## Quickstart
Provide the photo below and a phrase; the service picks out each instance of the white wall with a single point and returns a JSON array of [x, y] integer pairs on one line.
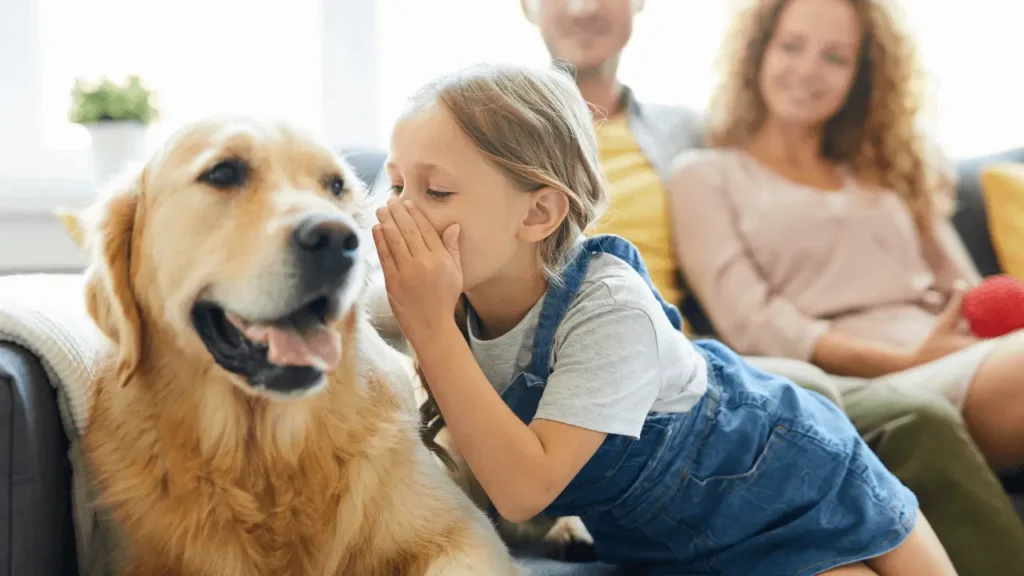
[[30, 237]]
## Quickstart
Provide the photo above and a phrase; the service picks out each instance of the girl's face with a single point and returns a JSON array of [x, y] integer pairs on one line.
[[433, 164], [810, 62]]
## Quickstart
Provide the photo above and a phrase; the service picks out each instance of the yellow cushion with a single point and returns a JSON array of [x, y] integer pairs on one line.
[[1002, 185]]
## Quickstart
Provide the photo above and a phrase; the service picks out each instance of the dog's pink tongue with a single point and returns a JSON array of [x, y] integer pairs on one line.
[[317, 347], [312, 344]]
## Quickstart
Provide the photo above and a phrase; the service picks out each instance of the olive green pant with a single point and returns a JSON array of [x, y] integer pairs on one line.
[[924, 442]]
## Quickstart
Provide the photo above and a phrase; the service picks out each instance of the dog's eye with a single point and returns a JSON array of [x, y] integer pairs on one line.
[[226, 174], [336, 185]]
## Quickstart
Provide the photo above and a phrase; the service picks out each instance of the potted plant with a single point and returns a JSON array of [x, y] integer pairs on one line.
[[117, 117]]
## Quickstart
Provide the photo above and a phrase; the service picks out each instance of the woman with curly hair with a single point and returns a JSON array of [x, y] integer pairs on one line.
[[816, 224]]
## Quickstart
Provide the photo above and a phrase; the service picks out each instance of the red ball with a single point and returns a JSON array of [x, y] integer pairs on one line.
[[995, 307]]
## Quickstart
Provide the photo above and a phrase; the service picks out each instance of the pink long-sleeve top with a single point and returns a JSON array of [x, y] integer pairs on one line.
[[776, 264]]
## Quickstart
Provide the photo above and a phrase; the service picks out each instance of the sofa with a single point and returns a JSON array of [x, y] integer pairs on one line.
[[36, 531]]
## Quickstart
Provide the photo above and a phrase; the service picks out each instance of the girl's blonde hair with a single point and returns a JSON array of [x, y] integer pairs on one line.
[[535, 126], [875, 132]]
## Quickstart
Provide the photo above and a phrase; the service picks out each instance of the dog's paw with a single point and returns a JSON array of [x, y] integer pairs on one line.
[[568, 529], [569, 540]]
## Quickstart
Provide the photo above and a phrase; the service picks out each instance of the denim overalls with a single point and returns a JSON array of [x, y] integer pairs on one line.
[[760, 477]]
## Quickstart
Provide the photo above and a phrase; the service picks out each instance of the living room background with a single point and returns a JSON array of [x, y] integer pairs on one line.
[[344, 68]]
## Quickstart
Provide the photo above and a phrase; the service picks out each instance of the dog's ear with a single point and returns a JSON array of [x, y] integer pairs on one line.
[[110, 229], [72, 226]]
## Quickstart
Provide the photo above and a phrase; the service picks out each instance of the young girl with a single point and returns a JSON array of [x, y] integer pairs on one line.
[[576, 394]]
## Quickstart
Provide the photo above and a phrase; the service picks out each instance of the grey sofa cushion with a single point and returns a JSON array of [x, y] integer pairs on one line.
[[36, 531]]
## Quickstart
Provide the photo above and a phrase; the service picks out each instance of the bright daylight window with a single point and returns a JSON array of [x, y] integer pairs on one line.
[[419, 40], [971, 50], [201, 57], [265, 58]]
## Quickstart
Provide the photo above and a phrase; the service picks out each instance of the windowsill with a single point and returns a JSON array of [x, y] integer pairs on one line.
[[32, 239], [42, 197]]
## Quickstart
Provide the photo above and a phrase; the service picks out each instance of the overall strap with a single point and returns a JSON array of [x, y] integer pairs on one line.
[[560, 296], [627, 252], [556, 303]]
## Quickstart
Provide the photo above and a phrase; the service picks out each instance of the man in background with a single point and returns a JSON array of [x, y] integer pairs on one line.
[[638, 141], [923, 441]]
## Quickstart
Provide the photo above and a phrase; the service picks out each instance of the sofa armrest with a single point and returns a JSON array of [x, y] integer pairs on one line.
[[36, 527]]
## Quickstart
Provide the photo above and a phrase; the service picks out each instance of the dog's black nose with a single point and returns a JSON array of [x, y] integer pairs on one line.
[[316, 234], [325, 248]]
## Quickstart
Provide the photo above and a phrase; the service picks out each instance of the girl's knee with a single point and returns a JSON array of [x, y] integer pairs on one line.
[[921, 552]]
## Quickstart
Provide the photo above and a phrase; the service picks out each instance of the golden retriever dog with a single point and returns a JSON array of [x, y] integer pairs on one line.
[[251, 421]]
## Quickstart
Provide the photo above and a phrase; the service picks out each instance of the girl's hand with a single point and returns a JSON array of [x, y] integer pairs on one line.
[[422, 272]]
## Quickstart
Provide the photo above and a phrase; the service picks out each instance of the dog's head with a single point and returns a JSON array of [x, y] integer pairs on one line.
[[239, 239]]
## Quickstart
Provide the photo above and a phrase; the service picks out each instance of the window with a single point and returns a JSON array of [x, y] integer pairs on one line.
[[346, 66], [968, 50], [418, 40], [671, 55], [971, 51], [669, 59], [201, 57]]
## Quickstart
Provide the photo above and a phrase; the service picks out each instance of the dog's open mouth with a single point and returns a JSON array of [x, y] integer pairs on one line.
[[299, 339], [287, 354]]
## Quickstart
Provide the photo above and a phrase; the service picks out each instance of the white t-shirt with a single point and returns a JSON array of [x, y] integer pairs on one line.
[[616, 357]]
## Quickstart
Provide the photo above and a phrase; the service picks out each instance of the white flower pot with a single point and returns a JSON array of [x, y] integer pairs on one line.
[[115, 145]]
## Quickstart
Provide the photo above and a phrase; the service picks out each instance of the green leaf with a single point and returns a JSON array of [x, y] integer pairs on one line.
[[106, 101]]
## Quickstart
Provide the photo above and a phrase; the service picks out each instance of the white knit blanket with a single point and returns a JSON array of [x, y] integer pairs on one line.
[[46, 314]]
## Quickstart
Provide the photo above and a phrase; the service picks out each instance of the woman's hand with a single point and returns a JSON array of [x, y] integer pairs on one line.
[[422, 271], [946, 337]]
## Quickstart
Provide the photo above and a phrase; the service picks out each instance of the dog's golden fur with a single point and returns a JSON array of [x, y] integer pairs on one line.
[[206, 477]]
